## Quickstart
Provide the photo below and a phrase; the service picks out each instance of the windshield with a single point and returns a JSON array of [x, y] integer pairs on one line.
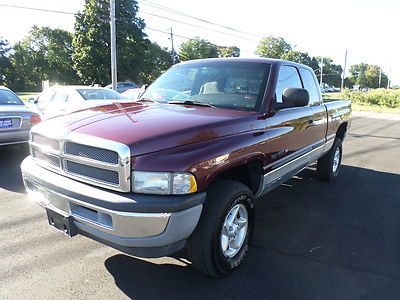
[[232, 85], [9, 98], [99, 94]]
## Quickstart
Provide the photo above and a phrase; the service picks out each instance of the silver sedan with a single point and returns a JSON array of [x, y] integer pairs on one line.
[[16, 119]]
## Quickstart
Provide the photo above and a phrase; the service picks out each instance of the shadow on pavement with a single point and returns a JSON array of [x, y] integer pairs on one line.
[[10, 172], [312, 240]]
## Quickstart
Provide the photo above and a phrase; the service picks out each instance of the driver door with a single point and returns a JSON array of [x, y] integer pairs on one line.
[[289, 130]]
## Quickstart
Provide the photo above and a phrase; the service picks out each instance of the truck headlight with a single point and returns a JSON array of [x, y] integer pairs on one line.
[[163, 183]]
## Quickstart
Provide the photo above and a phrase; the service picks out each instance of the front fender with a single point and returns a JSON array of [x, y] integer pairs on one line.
[[206, 160]]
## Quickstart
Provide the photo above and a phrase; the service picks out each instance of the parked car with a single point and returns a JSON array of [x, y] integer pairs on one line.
[[124, 86], [16, 119], [61, 100], [132, 94], [184, 165]]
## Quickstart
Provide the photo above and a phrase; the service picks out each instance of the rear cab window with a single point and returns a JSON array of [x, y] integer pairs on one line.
[[311, 86]]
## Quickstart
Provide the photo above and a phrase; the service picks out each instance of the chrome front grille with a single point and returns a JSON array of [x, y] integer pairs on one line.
[[45, 141], [90, 152], [79, 156], [106, 176], [51, 160]]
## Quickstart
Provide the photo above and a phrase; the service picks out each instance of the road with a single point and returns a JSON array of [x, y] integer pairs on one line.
[[313, 240]]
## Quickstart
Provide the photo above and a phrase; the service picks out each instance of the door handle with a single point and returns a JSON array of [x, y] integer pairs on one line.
[[310, 122]]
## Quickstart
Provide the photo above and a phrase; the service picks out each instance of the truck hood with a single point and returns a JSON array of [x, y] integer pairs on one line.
[[147, 128]]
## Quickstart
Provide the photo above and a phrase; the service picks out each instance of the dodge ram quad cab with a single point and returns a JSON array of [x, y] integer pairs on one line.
[[181, 168]]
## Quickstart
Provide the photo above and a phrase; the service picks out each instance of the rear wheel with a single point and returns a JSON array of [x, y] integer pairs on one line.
[[328, 166], [221, 239]]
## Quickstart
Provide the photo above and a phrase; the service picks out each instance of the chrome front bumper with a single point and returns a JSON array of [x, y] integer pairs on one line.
[[122, 228]]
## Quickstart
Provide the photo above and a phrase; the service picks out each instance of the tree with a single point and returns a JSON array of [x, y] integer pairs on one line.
[[4, 60], [358, 76], [157, 60], [366, 75], [332, 73], [44, 54], [92, 41], [372, 76], [53, 47], [301, 58], [273, 47], [25, 75], [197, 48], [231, 51]]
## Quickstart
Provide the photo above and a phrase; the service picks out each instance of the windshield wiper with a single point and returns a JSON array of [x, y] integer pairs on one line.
[[191, 102], [146, 100]]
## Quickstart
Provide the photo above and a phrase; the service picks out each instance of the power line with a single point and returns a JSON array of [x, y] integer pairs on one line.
[[187, 38], [161, 7], [149, 28], [159, 16], [38, 9], [166, 32], [198, 26]]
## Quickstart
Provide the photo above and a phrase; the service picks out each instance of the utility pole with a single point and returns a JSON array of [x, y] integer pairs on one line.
[[320, 76], [380, 76], [113, 46], [172, 46], [388, 78], [344, 70]]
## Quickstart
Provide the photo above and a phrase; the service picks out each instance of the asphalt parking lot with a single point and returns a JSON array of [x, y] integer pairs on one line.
[[313, 240]]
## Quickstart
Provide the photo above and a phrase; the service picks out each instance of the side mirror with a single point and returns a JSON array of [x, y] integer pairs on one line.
[[32, 101], [295, 97]]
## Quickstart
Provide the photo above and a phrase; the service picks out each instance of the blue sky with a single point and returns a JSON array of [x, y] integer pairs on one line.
[[367, 29]]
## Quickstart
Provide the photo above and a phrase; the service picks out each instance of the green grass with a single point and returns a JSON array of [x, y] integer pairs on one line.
[[378, 100], [26, 95], [333, 96], [376, 109]]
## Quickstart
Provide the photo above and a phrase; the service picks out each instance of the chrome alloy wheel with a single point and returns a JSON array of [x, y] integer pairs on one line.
[[234, 230], [336, 160]]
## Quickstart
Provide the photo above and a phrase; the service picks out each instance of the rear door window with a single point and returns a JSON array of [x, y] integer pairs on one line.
[[311, 86]]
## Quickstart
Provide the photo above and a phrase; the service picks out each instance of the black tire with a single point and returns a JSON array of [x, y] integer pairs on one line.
[[325, 164], [204, 245]]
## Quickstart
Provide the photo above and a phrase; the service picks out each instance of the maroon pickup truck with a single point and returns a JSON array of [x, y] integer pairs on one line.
[[183, 166]]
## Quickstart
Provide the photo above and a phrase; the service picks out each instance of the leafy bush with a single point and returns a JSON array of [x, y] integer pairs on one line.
[[378, 97]]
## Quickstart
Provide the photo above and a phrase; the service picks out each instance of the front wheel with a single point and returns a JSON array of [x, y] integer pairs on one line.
[[221, 239], [328, 166]]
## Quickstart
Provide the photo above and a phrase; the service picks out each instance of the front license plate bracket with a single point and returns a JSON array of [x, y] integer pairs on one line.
[[64, 223]]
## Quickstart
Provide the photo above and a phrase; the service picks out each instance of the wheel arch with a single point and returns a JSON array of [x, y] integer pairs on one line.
[[250, 173], [341, 131]]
